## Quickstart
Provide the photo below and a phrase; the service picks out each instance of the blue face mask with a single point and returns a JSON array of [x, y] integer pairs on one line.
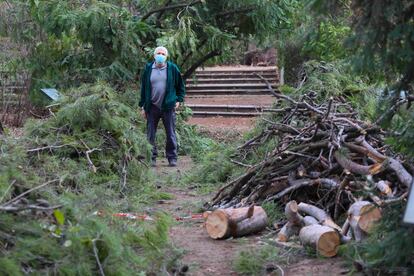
[[160, 59]]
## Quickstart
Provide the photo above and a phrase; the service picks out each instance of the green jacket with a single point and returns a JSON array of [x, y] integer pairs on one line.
[[175, 87]]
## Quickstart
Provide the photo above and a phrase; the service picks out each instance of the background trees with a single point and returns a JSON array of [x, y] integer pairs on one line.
[[78, 41]]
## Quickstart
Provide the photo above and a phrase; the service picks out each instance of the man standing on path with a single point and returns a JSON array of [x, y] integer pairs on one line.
[[162, 90]]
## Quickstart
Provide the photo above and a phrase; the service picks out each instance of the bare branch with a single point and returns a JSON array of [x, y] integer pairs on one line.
[[203, 59], [95, 252], [26, 207], [28, 192]]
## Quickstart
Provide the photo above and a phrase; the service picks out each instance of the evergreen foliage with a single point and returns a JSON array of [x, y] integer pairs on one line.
[[73, 42], [214, 167], [382, 47], [115, 180], [388, 251]]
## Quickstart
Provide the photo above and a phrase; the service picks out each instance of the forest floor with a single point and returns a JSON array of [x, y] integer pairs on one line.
[[205, 256]]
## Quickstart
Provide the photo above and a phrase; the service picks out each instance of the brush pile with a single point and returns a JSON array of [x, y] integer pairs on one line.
[[326, 159]]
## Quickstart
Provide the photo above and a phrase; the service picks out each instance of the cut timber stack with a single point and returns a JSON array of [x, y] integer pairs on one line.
[[231, 91]]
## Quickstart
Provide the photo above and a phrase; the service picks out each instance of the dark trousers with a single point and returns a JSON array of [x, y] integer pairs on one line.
[[168, 119]]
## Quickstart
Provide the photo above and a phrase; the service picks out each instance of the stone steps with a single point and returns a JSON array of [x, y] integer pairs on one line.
[[210, 84]]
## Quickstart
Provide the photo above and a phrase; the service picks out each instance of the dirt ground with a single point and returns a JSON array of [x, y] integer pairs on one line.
[[223, 128], [205, 256], [258, 100]]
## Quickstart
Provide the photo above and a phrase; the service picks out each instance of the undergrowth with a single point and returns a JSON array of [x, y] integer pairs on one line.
[[274, 212], [76, 233], [190, 141], [212, 169], [266, 260]]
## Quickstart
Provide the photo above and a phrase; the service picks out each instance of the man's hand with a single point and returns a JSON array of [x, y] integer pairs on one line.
[[177, 105], [143, 114]]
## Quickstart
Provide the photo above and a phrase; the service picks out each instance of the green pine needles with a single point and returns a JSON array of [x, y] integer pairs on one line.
[[91, 156]]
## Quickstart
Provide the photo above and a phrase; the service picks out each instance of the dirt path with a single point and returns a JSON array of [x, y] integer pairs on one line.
[[205, 256]]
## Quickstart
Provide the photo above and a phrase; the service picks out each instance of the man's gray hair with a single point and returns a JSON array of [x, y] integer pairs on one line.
[[161, 48]]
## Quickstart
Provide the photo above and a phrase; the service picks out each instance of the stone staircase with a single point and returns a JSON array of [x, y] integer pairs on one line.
[[231, 91]]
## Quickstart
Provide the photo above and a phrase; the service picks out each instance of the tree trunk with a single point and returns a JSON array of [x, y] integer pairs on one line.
[[224, 223], [291, 212], [324, 239]]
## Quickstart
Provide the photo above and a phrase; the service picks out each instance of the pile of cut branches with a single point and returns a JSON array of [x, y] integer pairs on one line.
[[325, 156]]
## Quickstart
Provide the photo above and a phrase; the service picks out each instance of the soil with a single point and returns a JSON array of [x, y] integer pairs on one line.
[[205, 256], [223, 128], [258, 100]]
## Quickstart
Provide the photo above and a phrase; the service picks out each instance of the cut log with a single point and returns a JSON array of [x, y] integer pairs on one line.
[[345, 233], [323, 238], [308, 220], [291, 212], [384, 187], [224, 223], [288, 230], [254, 224], [319, 214], [295, 222], [364, 214]]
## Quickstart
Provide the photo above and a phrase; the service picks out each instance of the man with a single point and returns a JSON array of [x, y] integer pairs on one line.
[[162, 91]]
